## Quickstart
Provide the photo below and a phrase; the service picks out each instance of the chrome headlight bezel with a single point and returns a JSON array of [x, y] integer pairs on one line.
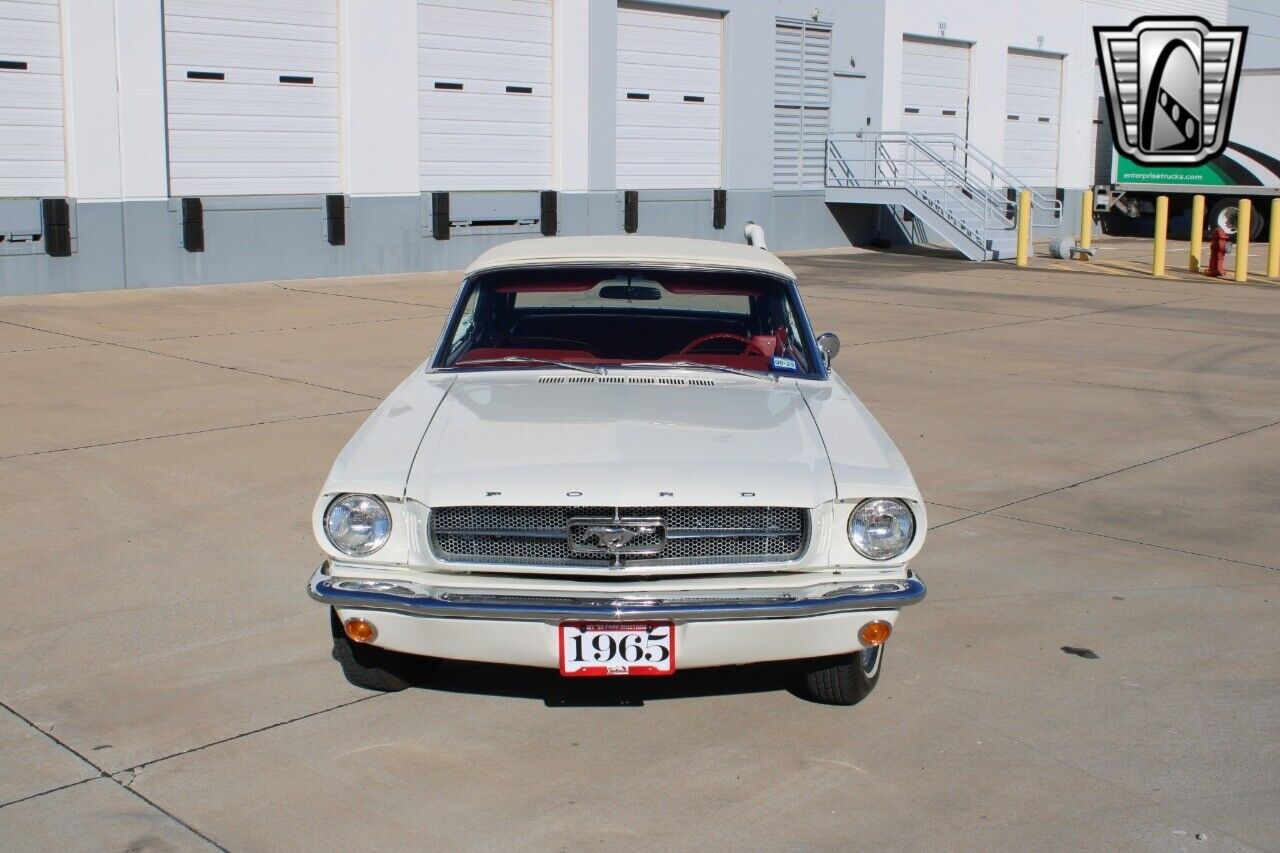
[[857, 527], [355, 543]]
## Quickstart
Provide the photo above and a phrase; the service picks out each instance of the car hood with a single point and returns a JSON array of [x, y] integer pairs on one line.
[[555, 439]]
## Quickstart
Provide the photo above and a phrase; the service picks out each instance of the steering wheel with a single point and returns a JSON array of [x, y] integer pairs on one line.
[[747, 344]]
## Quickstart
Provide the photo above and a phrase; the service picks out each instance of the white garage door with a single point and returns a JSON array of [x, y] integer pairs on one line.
[[252, 96], [32, 146], [484, 89], [935, 86], [1033, 110], [668, 125]]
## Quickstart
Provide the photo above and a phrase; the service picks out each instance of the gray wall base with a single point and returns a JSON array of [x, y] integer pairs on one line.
[[139, 243]]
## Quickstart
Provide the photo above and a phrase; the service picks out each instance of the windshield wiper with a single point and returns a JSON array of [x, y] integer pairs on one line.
[[698, 365], [524, 359]]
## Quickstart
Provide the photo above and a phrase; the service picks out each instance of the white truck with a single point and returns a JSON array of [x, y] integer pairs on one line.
[[1248, 168]]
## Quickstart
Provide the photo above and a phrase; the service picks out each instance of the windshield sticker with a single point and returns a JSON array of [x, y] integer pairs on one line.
[[780, 363]]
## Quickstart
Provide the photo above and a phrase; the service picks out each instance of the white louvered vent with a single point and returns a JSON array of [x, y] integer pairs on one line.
[[801, 103]]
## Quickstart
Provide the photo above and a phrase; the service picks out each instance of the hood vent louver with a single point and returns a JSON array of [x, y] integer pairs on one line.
[[619, 380]]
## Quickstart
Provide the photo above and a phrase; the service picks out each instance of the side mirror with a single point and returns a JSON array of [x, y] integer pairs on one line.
[[829, 346]]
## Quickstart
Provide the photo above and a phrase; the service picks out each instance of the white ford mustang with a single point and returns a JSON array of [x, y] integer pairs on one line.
[[627, 456]]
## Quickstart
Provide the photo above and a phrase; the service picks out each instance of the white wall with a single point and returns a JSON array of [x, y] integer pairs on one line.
[[115, 87], [1053, 26], [378, 97], [113, 59]]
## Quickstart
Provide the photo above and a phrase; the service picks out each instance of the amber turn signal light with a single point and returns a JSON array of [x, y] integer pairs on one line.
[[361, 631], [872, 633]]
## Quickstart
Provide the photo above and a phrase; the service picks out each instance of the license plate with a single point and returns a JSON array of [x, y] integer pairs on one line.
[[612, 648]]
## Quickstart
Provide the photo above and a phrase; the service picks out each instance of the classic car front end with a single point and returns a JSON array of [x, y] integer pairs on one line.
[[625, 457]]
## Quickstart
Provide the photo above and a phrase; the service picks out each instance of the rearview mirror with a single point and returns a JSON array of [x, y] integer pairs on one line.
[[630, 292], [829, 346]]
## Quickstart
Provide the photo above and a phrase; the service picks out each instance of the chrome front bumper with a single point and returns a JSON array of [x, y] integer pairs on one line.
[[416, 599]]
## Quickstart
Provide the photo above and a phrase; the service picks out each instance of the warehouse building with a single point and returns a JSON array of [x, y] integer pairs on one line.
[[149, 143]]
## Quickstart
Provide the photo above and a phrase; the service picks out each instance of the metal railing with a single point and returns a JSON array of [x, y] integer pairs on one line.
[[959, 181]]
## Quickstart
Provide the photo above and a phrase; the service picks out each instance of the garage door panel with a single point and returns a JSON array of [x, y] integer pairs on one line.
[[18, 11], [479, 112], [1033, 103], [935, 86], [684, 174], [705, 84], [298, 12], [212, 184], [251, 133], [647, 150], [237, 31], [457, 65], [297, 116], [304, 123], [32, 143], [32, 119], [642, 125], [29, 41], [45, 85], [483, 136], [238, 145], [466, 165], [15, 120], [531, 8], [468, 25], [191, 51], [668, 56], [321, 87]]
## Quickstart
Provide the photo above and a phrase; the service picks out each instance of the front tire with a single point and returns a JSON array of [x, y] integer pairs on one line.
[[373, 668], [844, 679]]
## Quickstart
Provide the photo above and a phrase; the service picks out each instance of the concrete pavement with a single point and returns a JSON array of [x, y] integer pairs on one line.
[[1102, 454]]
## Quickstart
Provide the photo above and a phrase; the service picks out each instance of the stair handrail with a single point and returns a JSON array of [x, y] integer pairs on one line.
[[993, 167], [1039, 201], [994, 208], [996, 205]]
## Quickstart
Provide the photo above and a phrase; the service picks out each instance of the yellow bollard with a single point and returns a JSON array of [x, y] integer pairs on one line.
[[1024, 225], [1162, 233], [1086, 223], [1242, 240], [1273, 251], [1197, 232]]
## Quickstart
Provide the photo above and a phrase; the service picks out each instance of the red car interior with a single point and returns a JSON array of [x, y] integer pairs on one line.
[[658, 318]]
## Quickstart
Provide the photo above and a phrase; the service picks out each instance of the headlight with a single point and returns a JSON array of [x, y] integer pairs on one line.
[[881, 528], [357, 525]]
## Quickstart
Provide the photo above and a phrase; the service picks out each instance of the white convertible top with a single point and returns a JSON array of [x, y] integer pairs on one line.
[[645, 251]]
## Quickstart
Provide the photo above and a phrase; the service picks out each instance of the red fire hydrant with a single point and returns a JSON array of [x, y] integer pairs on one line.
[[1218, 242]]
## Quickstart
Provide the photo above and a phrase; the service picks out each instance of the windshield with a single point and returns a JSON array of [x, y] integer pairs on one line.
[[619, 317]]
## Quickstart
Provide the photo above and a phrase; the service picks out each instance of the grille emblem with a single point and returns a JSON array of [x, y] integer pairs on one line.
[[617, 535]]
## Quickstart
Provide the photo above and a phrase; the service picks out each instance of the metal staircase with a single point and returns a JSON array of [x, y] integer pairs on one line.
[[941, 179]]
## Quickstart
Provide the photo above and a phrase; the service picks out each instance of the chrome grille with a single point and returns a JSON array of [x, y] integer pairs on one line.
[[539, 535]]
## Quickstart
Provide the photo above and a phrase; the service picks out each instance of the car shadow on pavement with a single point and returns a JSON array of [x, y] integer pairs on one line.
[[557, 691]]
